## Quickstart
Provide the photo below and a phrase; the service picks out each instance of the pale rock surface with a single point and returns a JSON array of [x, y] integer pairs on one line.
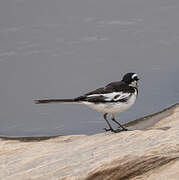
[[150, 154]]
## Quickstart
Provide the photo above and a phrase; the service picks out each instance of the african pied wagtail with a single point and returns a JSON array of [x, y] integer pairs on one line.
[[114, 98]]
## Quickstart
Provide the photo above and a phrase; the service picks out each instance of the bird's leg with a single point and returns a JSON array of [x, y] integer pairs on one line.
[[110, 127], [123, 128]]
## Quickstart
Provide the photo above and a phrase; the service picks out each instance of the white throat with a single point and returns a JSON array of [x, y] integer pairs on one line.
[[133, 84]]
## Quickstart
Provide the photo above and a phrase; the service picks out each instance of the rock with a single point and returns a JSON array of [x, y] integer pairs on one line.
[[149, 151]]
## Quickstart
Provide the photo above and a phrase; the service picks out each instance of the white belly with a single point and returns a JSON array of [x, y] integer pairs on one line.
[[112, 108]]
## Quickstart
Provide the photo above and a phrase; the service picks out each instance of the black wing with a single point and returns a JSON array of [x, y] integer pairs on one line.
[[113, 92]]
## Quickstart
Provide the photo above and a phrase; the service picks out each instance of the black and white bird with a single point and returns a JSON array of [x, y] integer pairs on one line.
[[115, 97]]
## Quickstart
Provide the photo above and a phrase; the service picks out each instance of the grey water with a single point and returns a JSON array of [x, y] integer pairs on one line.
[[65, 48]]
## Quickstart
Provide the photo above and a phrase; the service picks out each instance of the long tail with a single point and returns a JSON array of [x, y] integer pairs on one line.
[[48, 101]]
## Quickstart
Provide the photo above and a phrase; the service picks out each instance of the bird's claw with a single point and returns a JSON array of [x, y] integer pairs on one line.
[[108, 129], [114, 131], [124, 129]]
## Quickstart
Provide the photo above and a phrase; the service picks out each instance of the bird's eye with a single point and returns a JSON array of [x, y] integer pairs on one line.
[[136, 78]]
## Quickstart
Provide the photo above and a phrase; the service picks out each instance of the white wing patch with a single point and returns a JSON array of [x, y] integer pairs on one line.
[[122, 96], [114, 96]]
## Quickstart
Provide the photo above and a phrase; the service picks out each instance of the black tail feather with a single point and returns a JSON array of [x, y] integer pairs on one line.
[[47, 101]]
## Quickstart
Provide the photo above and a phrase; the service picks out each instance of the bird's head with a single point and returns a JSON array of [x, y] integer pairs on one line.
[[131, 79]]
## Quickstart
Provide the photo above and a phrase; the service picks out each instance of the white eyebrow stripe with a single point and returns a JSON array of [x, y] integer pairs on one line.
[[134, 75]]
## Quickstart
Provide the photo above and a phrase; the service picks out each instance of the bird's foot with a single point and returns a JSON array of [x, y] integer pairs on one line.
[[114, 131], [110, 129], [124, 129]]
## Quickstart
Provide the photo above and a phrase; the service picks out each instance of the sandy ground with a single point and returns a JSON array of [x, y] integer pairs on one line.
[[149, 151]]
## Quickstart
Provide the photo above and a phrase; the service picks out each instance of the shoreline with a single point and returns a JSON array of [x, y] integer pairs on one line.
[[142, 123], [150, 153]]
